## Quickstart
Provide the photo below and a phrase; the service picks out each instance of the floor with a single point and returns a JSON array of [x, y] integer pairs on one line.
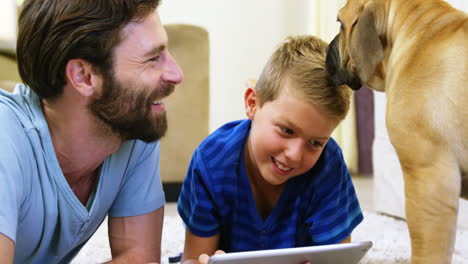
[[362, 184]]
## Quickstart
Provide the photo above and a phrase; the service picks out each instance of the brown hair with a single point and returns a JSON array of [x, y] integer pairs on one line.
[[52, 32], [301, 61]]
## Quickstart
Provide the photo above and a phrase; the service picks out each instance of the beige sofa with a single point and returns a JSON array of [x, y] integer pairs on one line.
[[188, 106], [8, 70]]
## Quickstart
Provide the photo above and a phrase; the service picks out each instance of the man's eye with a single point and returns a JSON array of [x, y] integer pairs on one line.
[[155, 58]]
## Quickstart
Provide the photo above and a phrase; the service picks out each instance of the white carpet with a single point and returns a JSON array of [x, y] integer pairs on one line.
[[389, 235]]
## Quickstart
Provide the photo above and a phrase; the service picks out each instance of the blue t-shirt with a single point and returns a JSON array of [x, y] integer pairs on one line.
[[316, 208], [39, 211]]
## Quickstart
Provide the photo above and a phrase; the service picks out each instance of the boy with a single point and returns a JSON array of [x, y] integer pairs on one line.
[[277, 179]]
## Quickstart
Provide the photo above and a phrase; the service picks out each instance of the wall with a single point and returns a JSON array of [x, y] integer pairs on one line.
[[321, 21], [243, 34], [7, 21], [460, 4]]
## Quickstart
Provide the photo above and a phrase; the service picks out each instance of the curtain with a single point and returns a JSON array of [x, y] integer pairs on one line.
[[365, 124], [323, 24]]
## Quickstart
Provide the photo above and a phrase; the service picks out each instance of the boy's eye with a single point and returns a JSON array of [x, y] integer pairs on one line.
[[316, 144], [287, 130]]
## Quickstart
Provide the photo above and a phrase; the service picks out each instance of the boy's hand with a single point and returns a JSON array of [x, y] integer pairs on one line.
[[204, 258]]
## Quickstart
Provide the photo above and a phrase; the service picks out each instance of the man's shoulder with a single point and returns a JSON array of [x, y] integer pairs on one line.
[[12, 123], [7, 114], [19, 107]]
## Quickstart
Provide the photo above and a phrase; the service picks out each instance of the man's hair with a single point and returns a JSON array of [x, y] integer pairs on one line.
[[52, 32], [300, 63]]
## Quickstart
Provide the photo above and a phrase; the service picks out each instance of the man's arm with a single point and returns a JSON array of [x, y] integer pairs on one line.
[[136, 239], [7, 249], [195, 246]]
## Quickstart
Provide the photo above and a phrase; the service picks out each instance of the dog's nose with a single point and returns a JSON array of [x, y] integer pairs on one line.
[[339, 75]]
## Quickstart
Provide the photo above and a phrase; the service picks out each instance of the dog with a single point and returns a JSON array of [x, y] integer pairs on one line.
[[416, 51]]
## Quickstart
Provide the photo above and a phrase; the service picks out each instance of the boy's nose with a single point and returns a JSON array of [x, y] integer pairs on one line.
[[294, 151], [173, 73]]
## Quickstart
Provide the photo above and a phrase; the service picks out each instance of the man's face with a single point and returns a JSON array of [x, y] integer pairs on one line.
[[144, 73]]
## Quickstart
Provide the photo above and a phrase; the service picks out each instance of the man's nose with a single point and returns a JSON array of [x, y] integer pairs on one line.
[[173, 74]]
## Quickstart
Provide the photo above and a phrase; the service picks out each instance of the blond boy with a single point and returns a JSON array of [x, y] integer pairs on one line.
[[276, 179]]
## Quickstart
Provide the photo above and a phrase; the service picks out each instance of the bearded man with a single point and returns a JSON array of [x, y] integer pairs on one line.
[[80, 136]]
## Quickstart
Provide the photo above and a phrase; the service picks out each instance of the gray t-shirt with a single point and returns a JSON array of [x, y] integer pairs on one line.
[[39, 211]]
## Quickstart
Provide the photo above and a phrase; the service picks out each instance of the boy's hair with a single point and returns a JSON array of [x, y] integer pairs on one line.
[[300, 62], [52, 32]]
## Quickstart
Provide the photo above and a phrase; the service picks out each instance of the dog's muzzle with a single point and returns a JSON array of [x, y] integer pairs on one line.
[[338, 74]]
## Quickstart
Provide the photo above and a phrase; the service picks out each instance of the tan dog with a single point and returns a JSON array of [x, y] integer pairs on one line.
[[417, 52]]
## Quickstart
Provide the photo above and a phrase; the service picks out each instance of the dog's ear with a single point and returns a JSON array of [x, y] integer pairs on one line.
[[365, 47]]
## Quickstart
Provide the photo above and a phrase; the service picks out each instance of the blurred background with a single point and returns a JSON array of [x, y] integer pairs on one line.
[[241, 35]]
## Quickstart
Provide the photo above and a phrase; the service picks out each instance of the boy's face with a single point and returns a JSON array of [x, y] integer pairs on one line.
[[287, 136]]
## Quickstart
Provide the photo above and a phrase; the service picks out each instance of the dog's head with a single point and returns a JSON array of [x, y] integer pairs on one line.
[[355, 52]]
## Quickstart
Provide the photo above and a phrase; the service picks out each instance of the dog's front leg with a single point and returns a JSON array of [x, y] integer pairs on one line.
[[432, 195]]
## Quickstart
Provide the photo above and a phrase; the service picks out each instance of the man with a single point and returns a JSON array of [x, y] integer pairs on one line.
[[80, 138]]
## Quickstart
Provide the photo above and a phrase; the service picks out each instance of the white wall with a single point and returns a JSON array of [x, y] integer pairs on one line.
[[243, 34], [7, 20], [460, 4]]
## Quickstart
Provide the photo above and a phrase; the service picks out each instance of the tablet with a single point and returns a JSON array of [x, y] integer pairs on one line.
[[347, 253]]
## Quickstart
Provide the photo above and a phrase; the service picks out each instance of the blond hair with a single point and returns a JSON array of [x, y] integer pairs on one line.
[[300, 60]]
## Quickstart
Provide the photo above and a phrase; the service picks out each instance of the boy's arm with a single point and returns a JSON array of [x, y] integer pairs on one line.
[[196, 246], [136, 239], [7, 249], [346, 240]]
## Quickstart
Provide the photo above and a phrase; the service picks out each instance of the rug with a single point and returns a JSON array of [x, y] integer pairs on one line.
[[391, 244]]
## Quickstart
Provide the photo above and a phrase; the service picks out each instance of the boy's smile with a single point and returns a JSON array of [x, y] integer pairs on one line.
[[287, 136], [280, 167]]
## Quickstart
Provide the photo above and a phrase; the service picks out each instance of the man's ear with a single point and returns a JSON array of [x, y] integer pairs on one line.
[[250, 100], [81, 76]]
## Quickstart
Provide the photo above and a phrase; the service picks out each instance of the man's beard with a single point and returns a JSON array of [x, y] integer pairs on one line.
[[127, 110]]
